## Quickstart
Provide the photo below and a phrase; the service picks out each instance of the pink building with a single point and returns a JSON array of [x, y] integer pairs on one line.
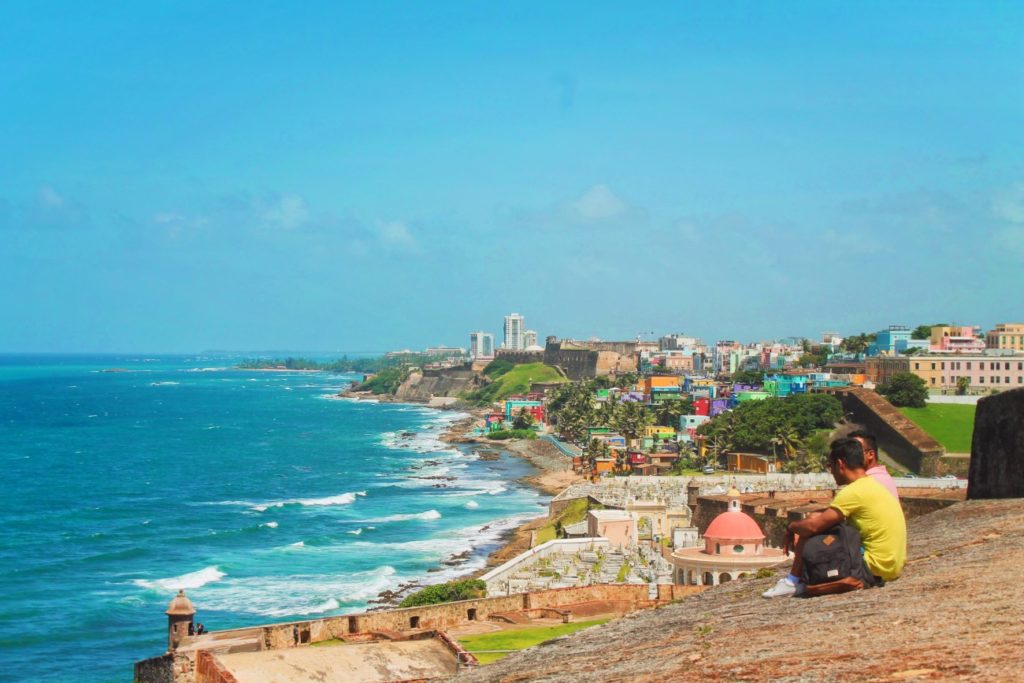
[[956, 339], [733, 548], [618, 526]]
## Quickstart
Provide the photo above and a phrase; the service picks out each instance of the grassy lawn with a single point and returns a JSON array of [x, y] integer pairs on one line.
[[519, 639], [515, 381], [948, 423]]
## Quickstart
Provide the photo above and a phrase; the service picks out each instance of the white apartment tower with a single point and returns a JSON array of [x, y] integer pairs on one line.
[[481, 344], [529, 338], [514, 326]]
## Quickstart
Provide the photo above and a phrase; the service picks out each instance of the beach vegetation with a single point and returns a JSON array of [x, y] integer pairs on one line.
[[466, 589], [505, 434], [366, 364], [498, 367], [386, 381]]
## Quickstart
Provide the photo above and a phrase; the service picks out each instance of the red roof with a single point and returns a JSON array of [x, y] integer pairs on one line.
[[734, 526]]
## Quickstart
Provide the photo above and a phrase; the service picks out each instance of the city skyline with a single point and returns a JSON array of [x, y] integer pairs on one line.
[[187, 177]]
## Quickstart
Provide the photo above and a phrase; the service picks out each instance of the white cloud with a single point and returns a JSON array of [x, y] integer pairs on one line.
[[1008, 205], [395, 234], [599, 203], [287, 212], [49, 197]]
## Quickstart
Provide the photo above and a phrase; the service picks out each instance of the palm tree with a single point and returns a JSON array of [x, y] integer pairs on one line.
[[789, 439]]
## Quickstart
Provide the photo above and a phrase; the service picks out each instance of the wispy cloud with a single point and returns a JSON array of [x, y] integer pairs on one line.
[[395, 235], [47, 208]]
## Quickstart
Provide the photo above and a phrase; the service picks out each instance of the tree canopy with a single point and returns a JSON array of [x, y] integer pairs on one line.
[[774, 425], [905, 390]]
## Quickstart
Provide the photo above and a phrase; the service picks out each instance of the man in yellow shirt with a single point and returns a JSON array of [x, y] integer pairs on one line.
[[866, 505]]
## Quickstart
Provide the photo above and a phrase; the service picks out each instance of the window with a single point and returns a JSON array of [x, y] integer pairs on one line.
[[1007, 366], [943, 365], [933, 367], [981, 380], [917, 366], [1006, 379], [1020, 379], [718, 549], [738, 549], [932, 378], [414, 622]]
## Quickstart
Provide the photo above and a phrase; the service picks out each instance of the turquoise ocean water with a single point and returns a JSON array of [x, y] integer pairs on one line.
[[263, 497]]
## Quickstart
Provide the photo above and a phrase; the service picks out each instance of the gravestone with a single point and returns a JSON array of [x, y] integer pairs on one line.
[[997, 449]]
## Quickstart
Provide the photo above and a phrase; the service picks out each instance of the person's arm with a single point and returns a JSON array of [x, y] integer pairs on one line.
[[815, 524]]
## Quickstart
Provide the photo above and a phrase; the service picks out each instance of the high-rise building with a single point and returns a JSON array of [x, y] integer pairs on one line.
[[514, 326], [529, 338], [481, 344]]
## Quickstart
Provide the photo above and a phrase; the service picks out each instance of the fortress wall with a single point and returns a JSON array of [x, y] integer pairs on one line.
[[446, 615], [209, 670], [519, 357], [997, 449], [898, 436], [167, 668]]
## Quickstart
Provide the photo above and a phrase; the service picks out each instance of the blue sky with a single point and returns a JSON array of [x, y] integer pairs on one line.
[[188, 176]]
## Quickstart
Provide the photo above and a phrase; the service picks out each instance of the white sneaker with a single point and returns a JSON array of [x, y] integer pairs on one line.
[[783, 589]]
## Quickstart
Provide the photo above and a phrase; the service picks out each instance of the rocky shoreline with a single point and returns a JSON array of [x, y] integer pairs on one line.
[[554, 474]]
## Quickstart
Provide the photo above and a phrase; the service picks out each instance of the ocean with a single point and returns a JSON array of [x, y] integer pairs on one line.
[[260, 493]]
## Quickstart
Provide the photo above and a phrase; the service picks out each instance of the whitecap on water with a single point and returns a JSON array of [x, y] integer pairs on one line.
[[194, 579], [425, 516]]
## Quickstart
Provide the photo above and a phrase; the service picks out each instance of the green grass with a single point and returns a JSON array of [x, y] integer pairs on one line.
[[948, 423], [515, 381], [520, 639], [574, 512], [328, 643]]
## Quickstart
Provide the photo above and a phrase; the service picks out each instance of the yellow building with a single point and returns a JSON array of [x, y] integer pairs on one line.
[[662, 432], [1006, 336]]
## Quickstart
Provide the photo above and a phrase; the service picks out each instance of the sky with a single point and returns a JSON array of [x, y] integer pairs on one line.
[[336, 176]]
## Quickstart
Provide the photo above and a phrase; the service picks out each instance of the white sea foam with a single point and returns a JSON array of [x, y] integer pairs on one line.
[[164, 384], [194, 579], [272, 525], [298, 544], [340, 499], [297, 594], [356, 532], [472, 504], [426, 516]]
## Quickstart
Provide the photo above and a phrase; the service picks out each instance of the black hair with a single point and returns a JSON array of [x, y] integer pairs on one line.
[[868, 437], [850, 451]]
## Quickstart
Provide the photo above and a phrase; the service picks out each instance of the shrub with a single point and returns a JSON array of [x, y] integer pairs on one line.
[[467, 589], [503, 434]]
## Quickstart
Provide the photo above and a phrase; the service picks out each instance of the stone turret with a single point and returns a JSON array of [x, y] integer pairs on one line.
[[179, 619]]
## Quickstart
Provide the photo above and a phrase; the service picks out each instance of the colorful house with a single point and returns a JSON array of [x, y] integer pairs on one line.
[[786, 385], [534, 407], [750, 462]]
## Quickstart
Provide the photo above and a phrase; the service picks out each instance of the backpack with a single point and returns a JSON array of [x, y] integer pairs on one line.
[[833, 562]]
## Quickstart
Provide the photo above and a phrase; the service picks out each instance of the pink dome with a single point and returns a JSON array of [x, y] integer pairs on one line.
[[734, 526]]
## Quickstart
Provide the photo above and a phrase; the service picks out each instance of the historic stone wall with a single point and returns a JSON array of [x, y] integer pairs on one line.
[[519, 357], [997, 450], [898, 436], [447, 615], [167, 668], [209, 670]]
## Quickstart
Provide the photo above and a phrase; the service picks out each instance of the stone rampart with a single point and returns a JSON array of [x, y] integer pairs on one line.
[[997, 449], [171, 667], [209, 670], [898, 436], [519, 357], [424, 385], [443, 616]]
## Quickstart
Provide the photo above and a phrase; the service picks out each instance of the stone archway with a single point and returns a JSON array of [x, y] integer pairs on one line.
[[709, 579], [724, 577]]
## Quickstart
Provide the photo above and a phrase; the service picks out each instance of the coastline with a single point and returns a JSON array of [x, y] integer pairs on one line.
[[553, 475]]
